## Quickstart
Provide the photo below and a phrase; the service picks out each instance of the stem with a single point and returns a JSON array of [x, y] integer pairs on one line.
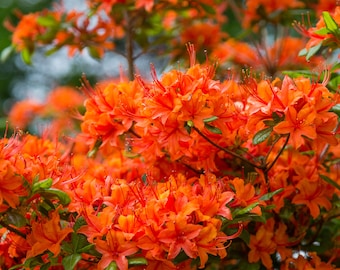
[[227, 150], [11, 229], [278, 155], [129, 45]]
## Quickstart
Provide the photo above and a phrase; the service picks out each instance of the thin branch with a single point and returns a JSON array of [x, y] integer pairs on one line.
[[228, 151], [14, 230], [278, 155]]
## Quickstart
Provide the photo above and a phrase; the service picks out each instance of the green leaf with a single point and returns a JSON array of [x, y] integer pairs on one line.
[[94, 52], [336, 109], [137, 261], [26, 56], [70, 262], [95, 148], [312, 51], [323, 31], [208, 8], [213, 129], [48, 21], [210, 119], [61, 195], [79, 223], [262, 135], [269, 195], [330, 181], [79, 241], [112, 266], [331, 25], [45, 266], [303, 52], [41, 185], [245, 236], [6, 53], [15, 219], [245, 210], [334, 83], [86, 249]]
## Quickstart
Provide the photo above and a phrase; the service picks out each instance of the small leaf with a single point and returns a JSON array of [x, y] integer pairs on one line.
[[41, 185], [245, 210], [208, 8], [94, 52], [47, 21], [330, 181], [86, 249], [62, 196], [95, 148], [26, 56], [336, 109], [15, 219], [262, 135], [303, 52], [245, 236], [70, 262], [112, 266], [323, 31], [210, 119], [330, 23], [213, 129], [79, 223], [6, 53], [269, 195], [137, 261], [312, 51]]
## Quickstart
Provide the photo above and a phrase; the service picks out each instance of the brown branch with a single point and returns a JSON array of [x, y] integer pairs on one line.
[[278, 155], [11, 229], [228, 151]]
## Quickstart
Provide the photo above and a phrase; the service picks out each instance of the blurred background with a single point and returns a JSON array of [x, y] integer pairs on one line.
[[20, 81]]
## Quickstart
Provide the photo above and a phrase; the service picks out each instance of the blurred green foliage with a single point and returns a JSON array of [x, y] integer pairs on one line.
[[9, 69]]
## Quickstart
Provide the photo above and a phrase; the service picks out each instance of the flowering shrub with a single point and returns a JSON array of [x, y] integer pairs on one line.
[[184, 171]]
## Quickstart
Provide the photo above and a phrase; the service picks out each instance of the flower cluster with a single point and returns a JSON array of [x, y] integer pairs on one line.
[[190, 170]]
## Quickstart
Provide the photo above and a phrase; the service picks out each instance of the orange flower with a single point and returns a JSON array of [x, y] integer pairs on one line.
[[23, 112], [297, 124], [47, 234], [115, 248], [313, 195], [26, 32], [11, 183], [252, 13], [64, 98], [244, 195], [179, 235], [262, 244]]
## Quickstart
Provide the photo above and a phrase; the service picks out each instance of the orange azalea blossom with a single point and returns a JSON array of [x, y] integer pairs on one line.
[[115, 248], [313, 195], [179, 235], [47, 234], [198, 34], [269, 7], [314, 32], [27, 32], [244, 195], [269, 57], [312, 262], [11, 183], [298, 124], [262, 245], [13, 249], [63, 98], [110, 111], [23, 112]]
